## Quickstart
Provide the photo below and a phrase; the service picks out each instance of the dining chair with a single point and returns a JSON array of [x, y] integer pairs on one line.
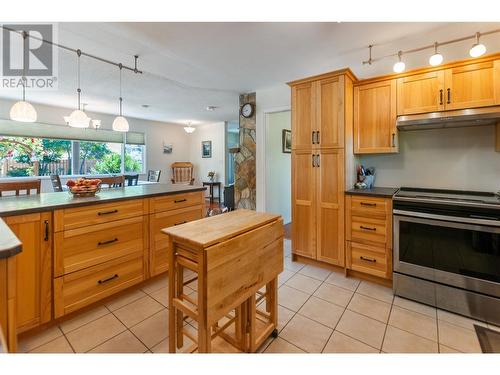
[[19, 186], [154, 175], [132, 179], [113, 181], [182, 173], [56, 182]]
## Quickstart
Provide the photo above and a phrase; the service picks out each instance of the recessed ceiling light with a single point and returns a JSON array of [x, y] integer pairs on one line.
[[211, 108], [145, 106]]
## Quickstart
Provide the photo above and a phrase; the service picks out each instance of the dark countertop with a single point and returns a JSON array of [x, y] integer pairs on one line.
[[9, 244], [385, 192], [12, 205]]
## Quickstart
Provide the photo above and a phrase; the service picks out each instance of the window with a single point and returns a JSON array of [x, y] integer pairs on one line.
[[76, 152]]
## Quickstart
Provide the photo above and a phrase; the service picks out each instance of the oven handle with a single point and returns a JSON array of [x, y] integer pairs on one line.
[[473, 223]]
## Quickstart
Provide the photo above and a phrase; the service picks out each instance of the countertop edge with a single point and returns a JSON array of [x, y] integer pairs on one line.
[[75, 203], [385, 192], [10, 245]]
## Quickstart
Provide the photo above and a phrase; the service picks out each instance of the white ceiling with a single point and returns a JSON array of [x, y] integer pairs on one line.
[[189, 66]]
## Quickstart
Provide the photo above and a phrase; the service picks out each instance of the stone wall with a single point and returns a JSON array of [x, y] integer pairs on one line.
[[244, 161]]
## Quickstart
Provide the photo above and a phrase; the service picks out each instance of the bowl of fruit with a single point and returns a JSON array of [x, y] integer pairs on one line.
[[84, 187]]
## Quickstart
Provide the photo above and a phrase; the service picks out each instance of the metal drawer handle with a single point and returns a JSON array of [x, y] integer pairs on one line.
[[368, 259], [449, 96], [367, 228], [107, 242], [313, 137], [107, 212], [46, 236], [108, 279], [368, 204], [393, 139], [441, 97], [182, 222], [180, 200], [317, 137]]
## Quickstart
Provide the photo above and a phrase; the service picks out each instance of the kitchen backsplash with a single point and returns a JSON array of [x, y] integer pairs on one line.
[[458, 158]]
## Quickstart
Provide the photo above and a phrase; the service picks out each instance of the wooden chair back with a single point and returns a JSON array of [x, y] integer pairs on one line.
[[113, 181], [182, 173], [132, 179], [154, 176], [56, 182], [19, 186]]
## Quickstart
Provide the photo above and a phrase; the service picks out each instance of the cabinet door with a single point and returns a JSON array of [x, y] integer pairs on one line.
[[421, 93], [33, 269], [159, 240], [474, 85], [330, 113], [330, 206], [375, 118], [303, 115], [303, 199]]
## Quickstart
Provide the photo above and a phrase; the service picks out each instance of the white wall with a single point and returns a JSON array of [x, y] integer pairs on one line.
[[455, 158], [273, 99], [278, 166], [155, 132], [211, 132]]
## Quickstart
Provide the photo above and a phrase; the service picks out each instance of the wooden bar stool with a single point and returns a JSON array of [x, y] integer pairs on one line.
[[20, 186]]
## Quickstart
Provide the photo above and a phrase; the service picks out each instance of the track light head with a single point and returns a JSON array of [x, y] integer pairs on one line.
[[400, 66]]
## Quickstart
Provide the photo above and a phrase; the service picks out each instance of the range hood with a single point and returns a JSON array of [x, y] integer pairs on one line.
[[450, 119]]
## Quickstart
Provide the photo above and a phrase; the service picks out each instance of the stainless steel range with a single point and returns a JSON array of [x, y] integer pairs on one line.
[[447, 250]]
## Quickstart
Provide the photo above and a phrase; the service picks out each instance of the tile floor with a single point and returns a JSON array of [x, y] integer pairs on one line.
[[319, 312]]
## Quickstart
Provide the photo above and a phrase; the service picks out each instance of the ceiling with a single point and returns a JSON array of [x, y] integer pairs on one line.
[[189, 66]]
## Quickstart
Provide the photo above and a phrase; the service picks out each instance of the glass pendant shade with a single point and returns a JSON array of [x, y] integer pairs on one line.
[[120, 124], [189, 129], [436, 59], [77, 119], [477, 50], [23, 111], [399, 67]]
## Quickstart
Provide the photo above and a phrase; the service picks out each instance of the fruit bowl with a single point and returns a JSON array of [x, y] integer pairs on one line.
[[84, 187]]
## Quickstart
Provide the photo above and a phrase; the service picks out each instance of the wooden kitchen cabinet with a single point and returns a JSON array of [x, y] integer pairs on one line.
[[375, 118], [421, 93], [303, 116], [473, 85], [330, 113], [330, 206], [303, 203], [33, 269]]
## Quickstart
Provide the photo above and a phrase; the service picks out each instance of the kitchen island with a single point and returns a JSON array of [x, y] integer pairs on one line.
[[77, 251]]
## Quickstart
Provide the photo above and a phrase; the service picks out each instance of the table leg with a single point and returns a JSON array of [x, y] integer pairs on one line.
[[218, 187], [251, 326], [179, 284], [171, 296]]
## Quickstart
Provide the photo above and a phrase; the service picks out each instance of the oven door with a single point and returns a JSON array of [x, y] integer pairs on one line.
[[459, 254]]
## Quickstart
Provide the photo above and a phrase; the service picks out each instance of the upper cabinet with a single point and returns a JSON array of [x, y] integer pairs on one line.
[[460, 87], [421, 93], [375, 118], [473, 85], [303, 116], [318, 114]]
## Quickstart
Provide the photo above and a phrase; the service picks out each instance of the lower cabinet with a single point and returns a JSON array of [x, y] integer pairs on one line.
[[369, 235], [158, 261], [33, 269], [78, 289]]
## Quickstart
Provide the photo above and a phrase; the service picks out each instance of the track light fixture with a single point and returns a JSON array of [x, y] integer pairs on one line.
[[399, 67], [437, 58], [120, 124], [78, 118], [477, 48]]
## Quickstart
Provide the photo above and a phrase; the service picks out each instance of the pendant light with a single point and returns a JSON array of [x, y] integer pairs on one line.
[[120, 124], [437, 58], [189, 129], [23, 111], [477, 48], [78, 118], [399, 67]]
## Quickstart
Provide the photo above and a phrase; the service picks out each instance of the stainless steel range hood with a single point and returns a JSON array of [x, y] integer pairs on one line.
[[450, 119]]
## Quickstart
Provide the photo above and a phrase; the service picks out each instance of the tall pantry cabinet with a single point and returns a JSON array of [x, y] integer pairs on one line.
[[321, 127]]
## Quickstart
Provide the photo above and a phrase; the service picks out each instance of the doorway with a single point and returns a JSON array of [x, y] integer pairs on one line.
[[278, 166]]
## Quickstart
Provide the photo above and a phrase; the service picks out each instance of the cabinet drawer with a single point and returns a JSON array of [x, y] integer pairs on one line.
[[72, 218], [159, 240], [365, 229], [175, 201], [369, 206], [368, 259], [78, 289], [80, 248]]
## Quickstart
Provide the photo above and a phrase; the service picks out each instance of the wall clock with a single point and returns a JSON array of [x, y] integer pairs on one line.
[[247, 110]]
